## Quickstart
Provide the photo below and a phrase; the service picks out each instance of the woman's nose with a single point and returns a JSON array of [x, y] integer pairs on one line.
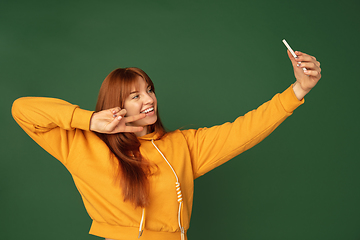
[[148, 99]]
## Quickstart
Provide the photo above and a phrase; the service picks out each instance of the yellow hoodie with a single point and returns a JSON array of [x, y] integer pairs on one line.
[[62, 129]]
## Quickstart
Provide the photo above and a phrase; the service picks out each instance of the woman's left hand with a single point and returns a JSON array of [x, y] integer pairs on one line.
[[305, 80]]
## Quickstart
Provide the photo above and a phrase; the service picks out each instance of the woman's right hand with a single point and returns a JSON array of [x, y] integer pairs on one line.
[[114, 121]]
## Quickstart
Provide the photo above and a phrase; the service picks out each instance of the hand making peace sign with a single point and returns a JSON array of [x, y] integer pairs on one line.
[[114, 121]]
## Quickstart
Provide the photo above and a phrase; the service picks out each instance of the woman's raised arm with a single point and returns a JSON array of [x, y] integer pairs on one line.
[[52, 123]]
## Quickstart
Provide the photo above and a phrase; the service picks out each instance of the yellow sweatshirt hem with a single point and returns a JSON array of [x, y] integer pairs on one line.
[[130, 233]]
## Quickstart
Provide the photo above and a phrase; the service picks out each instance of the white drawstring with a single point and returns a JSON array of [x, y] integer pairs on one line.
[[178, 191], [142, 223]]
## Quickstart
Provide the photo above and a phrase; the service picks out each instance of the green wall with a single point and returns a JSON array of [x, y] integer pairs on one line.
[[211, 61]]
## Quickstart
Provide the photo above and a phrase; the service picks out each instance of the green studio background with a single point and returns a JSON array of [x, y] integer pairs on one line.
[[211, 61]]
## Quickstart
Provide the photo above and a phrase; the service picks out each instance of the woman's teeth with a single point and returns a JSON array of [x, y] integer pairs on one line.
[[148, 110]]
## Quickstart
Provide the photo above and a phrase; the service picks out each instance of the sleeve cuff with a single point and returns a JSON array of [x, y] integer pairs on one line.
[[81, 119], [289, 100]]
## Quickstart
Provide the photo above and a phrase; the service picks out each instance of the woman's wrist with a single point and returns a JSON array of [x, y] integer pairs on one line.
[[299, 92]]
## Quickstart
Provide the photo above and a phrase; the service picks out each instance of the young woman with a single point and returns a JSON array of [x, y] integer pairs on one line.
[[135, 179]]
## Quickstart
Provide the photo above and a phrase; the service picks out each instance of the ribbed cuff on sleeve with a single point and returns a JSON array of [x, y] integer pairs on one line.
[[289, 100], [81, 119]]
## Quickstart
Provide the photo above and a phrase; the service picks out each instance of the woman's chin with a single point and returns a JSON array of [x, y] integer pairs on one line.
[[154, 120], [148, 120]]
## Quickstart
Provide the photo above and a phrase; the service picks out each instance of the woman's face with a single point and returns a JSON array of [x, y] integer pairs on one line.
[[142, 99]]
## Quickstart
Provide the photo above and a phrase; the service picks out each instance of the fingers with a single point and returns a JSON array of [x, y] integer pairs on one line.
[[113, 120], [294, 61], [118, 112], [115, 110], [303, 57], [309, 65], [134, 118], [111, 126], [304, 60], [116, 126], [313, 73]]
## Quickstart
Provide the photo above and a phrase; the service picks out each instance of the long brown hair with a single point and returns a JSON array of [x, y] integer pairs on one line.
[[134, 170]]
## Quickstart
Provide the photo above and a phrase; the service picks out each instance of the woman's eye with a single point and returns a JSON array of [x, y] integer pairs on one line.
[[135, 96], [150, 90]]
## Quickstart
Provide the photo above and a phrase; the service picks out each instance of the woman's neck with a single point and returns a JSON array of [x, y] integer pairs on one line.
[[143, 132]]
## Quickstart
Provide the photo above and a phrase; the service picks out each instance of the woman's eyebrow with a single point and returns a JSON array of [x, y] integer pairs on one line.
[[134, 92]]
